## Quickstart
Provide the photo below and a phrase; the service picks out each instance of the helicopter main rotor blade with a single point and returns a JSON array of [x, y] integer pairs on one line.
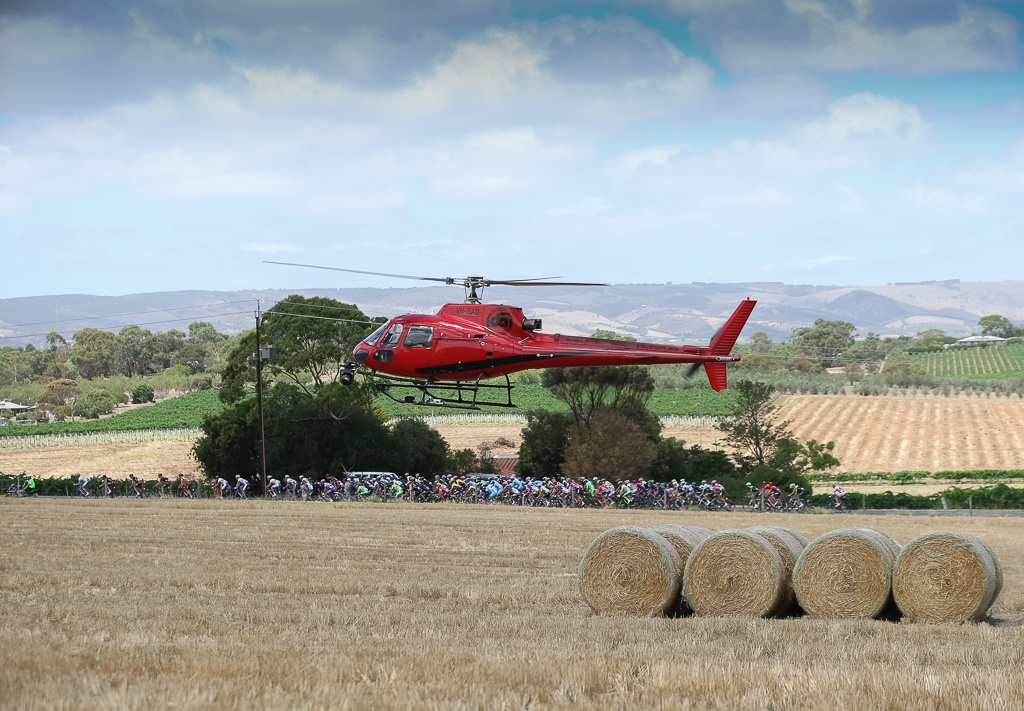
[[467, 281], [531, 282], [444, 280]]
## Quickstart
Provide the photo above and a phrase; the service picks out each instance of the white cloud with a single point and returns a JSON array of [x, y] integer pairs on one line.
[[867, 116], [784, 35]]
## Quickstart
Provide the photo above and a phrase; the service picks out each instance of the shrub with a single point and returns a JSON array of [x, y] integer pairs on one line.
[[142, 393]]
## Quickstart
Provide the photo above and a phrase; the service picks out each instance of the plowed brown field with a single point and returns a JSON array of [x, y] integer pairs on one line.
[[872, 434], [890, 434]]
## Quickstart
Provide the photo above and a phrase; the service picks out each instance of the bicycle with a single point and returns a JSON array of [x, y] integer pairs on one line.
[[839, 505], [795, 504]]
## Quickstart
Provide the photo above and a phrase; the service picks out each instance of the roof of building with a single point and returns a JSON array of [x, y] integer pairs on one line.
[[982, 339]]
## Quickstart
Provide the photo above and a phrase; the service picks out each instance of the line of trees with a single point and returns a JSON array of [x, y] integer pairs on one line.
[[133, 351], [830, 344], [98, 370]]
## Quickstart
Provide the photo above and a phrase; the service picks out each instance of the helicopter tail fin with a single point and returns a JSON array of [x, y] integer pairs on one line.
[[716, 376], [724, 340], [726, 337]]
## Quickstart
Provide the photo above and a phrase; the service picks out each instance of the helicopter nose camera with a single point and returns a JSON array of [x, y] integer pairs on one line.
[[348, 374]]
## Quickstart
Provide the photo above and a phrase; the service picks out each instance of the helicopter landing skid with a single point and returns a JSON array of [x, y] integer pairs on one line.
[[458, 394]]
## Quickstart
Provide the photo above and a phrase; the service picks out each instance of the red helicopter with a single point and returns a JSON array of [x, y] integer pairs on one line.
[[448, 358]]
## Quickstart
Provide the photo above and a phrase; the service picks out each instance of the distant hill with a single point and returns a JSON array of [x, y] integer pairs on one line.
[[655, 312]]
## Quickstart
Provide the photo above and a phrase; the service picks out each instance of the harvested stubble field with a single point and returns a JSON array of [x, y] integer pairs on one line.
[[142, 604]]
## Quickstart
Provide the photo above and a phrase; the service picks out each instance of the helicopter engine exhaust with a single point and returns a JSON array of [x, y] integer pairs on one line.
[[531, 324]]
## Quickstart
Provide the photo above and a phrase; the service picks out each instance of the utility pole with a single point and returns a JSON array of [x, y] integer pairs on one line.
[[261, 353]]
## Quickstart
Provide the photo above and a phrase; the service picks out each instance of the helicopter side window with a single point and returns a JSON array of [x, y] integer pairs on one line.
[[392, 337], [419, 337], [372, 339]]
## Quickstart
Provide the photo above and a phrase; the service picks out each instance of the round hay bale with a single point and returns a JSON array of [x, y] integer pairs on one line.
[[684, 539], [735, 574], [701, 531], [945, 576], [801, 538], [630, 571], [789, 549], [998, 567], [894, 545], [846, 574]]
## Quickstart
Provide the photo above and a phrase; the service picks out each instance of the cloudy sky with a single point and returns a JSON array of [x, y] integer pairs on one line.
[[176, 144]]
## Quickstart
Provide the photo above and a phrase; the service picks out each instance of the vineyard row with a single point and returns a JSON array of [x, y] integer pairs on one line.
[[80, 439]]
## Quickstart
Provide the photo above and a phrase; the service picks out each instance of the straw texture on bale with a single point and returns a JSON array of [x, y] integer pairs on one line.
[[801, 538], [846, 574], [704, 532], [631, 571], [945, 576], [735, 574], [684, 539], [998, 567], [789, 549]]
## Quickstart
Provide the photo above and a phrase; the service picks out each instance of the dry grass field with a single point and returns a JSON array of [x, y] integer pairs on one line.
[[145, 459], [240, 605]]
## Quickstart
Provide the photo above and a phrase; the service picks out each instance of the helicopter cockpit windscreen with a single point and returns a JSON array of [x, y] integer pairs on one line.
[[393, 336], [372, 339]]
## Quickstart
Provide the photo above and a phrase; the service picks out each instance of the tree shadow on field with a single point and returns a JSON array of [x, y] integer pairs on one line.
[[1005, 619]]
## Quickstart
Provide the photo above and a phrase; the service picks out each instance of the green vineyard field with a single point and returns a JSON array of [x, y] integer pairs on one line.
[[184, 411], [997, 362]]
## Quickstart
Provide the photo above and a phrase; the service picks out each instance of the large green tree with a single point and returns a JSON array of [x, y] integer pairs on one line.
[[134, 350], [580, 439], [310, 339], [764, 448], [544, 440], [611, 446], [753, 430], [59, 398], [587, 391], [825, 341], [94, 352], [57, 358], [998, 326]]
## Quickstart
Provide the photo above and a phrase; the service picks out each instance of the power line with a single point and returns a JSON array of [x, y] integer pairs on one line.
[[134, 313], [145, 323]]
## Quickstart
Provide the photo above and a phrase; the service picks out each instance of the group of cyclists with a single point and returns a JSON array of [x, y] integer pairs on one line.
[[555, 492], [471, 488], [107, 486]]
